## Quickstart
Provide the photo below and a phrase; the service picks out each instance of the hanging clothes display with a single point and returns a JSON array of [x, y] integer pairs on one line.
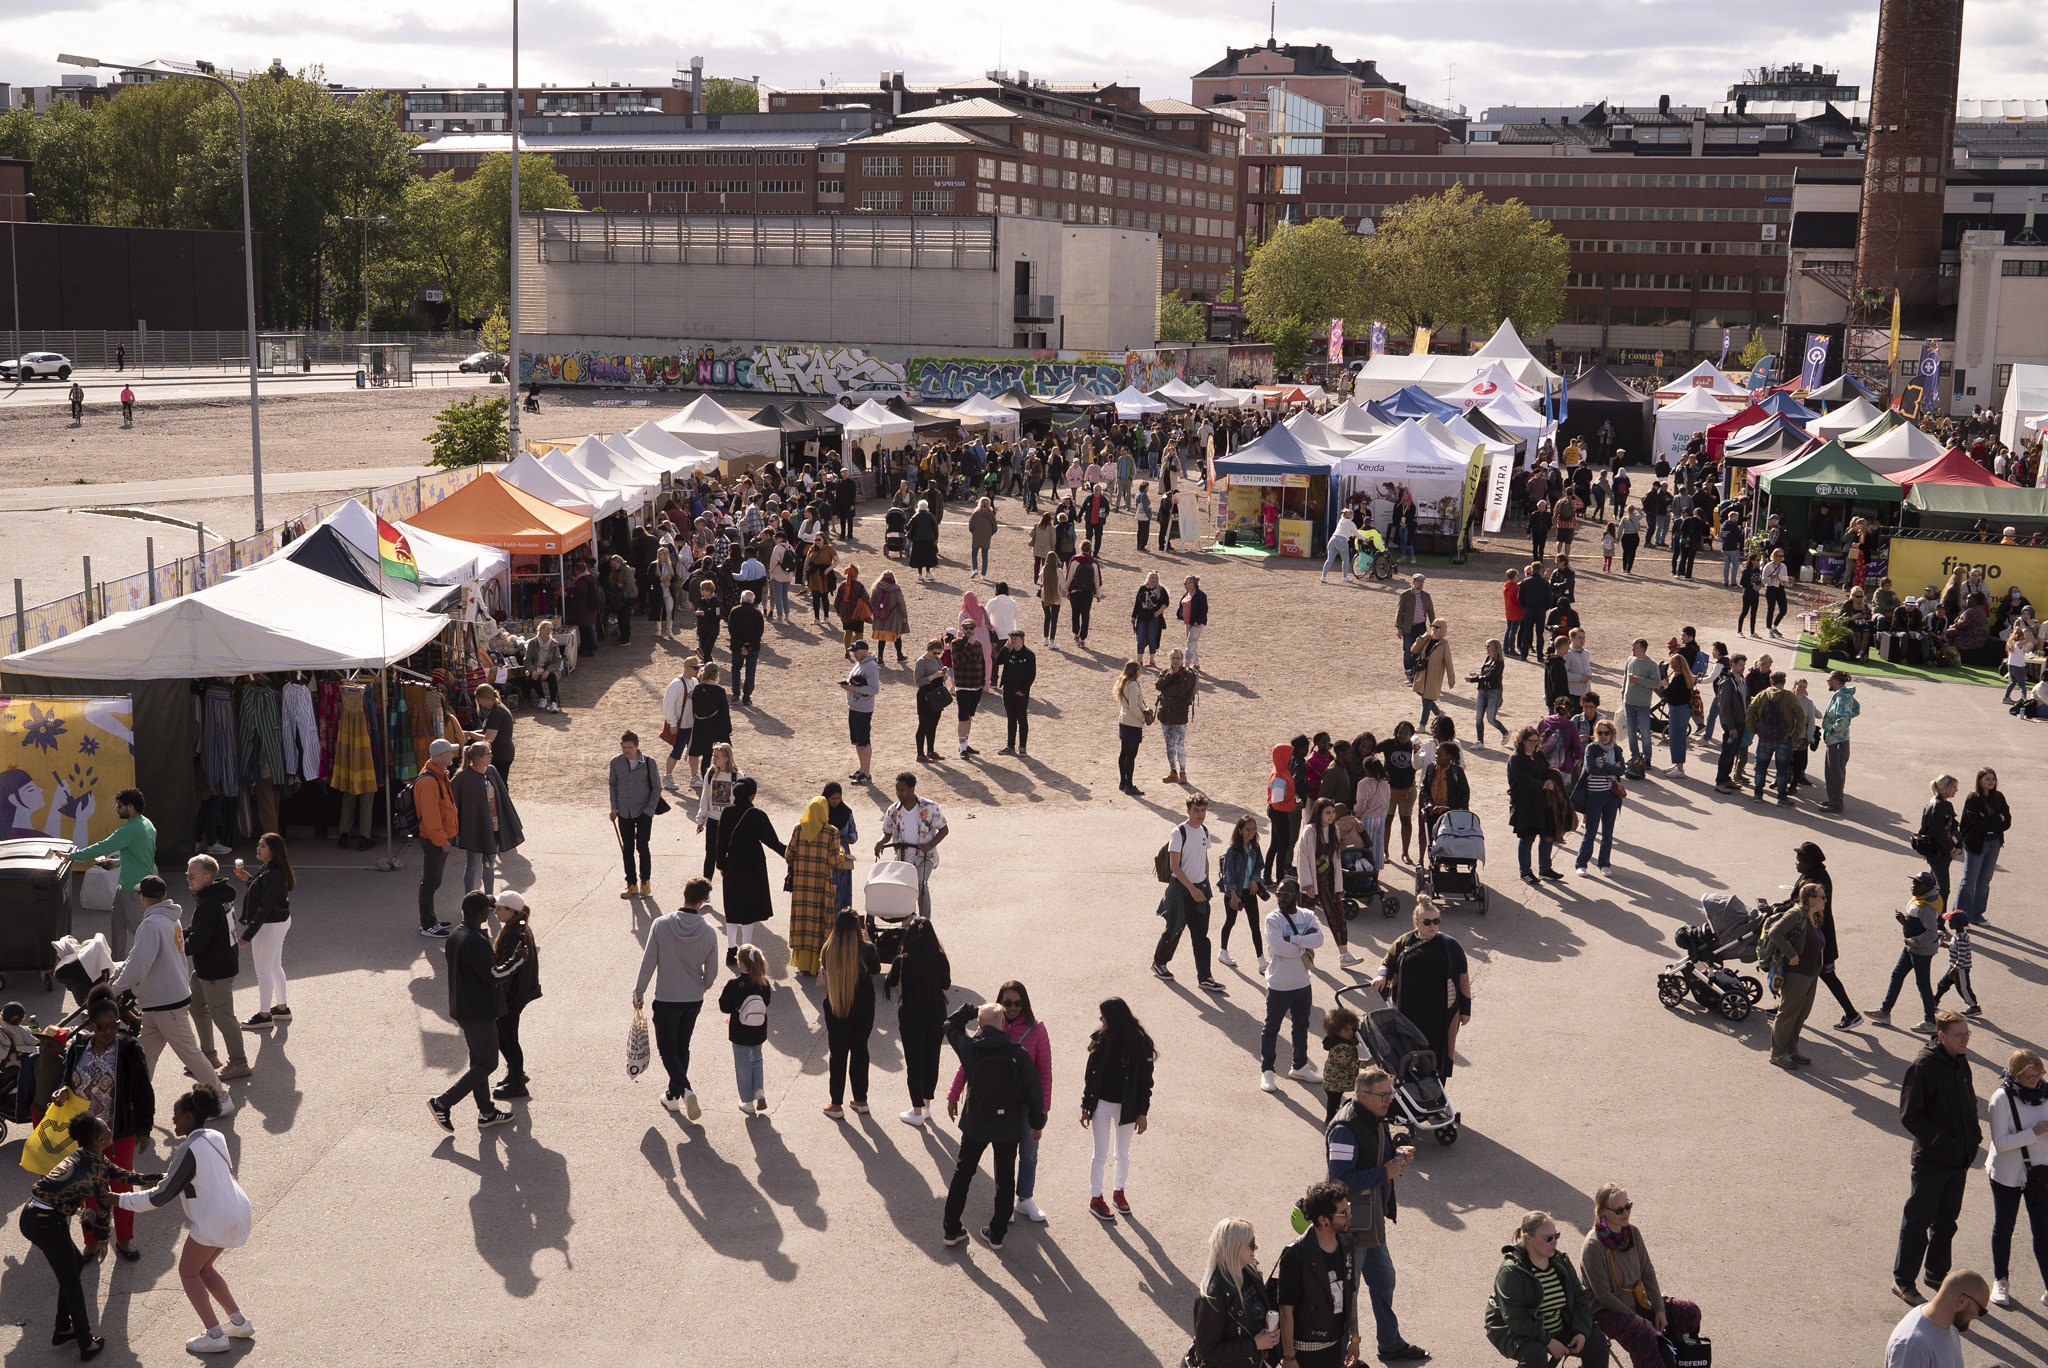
[[261, 737], [355, 765], [403, 768], [328, 709], [217, 741], [302, 748]]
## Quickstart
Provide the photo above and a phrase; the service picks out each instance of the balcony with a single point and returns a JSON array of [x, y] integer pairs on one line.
[[1033, 309]]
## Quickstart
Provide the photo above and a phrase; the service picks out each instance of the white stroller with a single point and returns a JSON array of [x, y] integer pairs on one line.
[[890, 895]]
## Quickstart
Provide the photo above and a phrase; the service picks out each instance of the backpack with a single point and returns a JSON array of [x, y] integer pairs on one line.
[[405, 813], [1162, 863], [1768, 958], [753, 1011], [993, 1097], [1084, 578]]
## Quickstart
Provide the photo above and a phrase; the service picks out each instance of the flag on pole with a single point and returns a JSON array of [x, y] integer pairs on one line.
[[1336, 341], [394, 552], [1815, 370], [1727, 336], [1379, 339], [1891, 362], [1421, 344]]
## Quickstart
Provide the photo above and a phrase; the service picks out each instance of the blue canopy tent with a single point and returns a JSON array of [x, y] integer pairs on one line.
[[1414, 402], [1785, 406], [1281, 469]]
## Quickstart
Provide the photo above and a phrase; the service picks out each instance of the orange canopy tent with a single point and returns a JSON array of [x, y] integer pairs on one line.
[[490, 512]]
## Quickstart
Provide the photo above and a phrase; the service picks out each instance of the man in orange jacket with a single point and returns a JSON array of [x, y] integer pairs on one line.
[[434, 799]]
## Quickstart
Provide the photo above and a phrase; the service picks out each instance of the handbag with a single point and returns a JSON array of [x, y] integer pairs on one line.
[[668, 733], [1685, 1351], [1642, 1293], [932, 695], [51, 1143], [637, 1050]]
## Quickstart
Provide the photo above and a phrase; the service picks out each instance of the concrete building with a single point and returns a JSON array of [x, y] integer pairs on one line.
[[943, 281], [1793, 83], [432, 111]]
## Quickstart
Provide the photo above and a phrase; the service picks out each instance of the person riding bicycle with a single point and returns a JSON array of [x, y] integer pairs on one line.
[[77, 401]]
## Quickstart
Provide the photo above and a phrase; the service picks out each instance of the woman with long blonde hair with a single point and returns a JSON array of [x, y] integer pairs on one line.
[[849, 966]]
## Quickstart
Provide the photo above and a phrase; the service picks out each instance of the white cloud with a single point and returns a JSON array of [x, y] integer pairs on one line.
[[1630, 51]]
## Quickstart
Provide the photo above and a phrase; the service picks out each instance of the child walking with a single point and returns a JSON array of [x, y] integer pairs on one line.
[[745, 1000], [1957, 938], [1607, 548], [1921, 928], [1340, 1059]]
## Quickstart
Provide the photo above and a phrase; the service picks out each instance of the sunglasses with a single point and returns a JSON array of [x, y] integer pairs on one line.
[[1977, 1307], [1551, 1238], [1432, 921], [1010, 1002], [1624, 1209]]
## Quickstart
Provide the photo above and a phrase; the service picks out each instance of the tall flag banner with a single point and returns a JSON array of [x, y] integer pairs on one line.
[[1891, 360], [1727, 335], [1760, 376], [1499, 477], [394, 553], [1468, 500], [1379, 339], [1816, 361], [1336, 341], [1930, 377], [1421, 347]]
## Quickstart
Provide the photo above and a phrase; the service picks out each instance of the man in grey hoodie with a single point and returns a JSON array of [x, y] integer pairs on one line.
[[682, 960], [160, 974]]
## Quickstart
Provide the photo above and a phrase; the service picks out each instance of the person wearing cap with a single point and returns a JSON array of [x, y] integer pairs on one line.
[[862, 683], [1921, 927], [515, 945], [970, 678], [1841, 710], [476, 999], [1811, 863], [1016, 671], [159, 973], [434, 800]]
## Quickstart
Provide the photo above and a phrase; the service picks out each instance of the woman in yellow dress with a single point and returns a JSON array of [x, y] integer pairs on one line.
[[815, 854]]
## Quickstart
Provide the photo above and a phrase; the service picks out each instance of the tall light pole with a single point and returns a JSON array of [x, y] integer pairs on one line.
[[207, 73], [366, 220], [512, 308]]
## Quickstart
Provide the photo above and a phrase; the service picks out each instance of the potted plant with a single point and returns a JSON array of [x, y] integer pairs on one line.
[[1832, 635]]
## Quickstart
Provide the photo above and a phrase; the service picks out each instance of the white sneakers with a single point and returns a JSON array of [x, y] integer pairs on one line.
[[1028, 1209], [691, 1107], [1266, 1083], [914, 1117], [1348, 958], [240, 1328], [2001, 1292], [1675, 772], [674, 1104], [1307, 1073], [1223, 958], [215, 1343]]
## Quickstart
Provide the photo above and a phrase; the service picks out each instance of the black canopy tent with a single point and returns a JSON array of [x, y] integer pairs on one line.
[[796, 432], [1029, 410], [918, 418], [328, 552], [1597, 397]]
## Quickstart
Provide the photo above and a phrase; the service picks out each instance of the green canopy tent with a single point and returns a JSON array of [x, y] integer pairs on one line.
[[1831, 476], [1960, 506], [1874, 429]]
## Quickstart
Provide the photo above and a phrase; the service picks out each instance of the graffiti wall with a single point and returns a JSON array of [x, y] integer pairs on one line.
[[828, 370]]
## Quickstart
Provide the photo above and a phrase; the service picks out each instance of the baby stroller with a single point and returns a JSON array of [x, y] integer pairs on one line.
[[1450, 868], [1397, 1045], [895, 537], [890, 895], [1730, 932], [1362, 885]]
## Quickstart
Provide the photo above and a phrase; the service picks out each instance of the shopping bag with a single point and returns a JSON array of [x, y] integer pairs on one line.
[[637, 1050], [97, 888], [52, 1142]]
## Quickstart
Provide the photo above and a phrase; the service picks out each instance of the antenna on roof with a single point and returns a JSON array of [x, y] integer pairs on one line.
[[1272, 13]]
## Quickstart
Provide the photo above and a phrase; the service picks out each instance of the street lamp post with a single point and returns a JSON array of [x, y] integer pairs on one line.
[[513, 111], [366, 220], [207, 73]]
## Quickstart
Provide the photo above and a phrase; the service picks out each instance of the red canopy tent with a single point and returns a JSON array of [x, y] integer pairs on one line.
[[1952, 467], [1719, 433]]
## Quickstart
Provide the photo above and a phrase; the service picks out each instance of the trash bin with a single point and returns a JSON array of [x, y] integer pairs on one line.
[[35, 904], [362, 380]]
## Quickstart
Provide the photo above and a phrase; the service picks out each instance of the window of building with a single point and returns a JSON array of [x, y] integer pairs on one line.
[[881, 166], [1027, 207], [1030, 174], [2022, 268], [675, 187], [728, 187], [1070, 180], [887, 201], [583, 187], [1159, 166], [1158, 192], [622, 187], [1187, 125], [1087, 152], [1072, 151], [1123, 218], [1007, 204], [836, 160], [1030, 140], [2004, 374], [831, 187], [930, 167], [782, 187], [1108, 156], [1087, 213], [1123, 188], [932, 201], [984, 201], [1010, 171], [1073, 213], [1087, 183], [1153, 222], [1123, 158]]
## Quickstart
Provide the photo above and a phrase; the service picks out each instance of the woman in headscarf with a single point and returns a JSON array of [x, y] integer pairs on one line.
[[971, 610], [892, 615], [815, 854], [853, 608], [745, 835], [924, 540]]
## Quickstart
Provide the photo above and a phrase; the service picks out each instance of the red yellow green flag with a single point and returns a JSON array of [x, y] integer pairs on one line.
[[394, 552]]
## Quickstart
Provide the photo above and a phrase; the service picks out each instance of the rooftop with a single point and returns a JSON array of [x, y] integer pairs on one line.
[[1310, 59], [926, 132], [609, 139]]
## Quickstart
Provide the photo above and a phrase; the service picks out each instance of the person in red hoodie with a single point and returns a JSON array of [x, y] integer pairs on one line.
[[1511, 600], [1283, 812]]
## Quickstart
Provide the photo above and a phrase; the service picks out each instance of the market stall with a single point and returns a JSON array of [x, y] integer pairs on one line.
[[1903, 448], [1518, 418], [1597, 398], [1960, 507], [491, 512], [1413, 401], [799, 436], [707, 425], [1843, 418], [1075, 396], [1486, 386], [1707, 376], [1692, 412], [345, 547], [642, 482], [1132, 402], [1028, 410], [1356, 423], [1315, 432], [605, 498], [1179, 391], [1773, 432], [1832, 476], [2025, 405], [526, 472], [1843, 390], [1003, 421], [671, 452], [1952, 467], [1874, 429], [1274, 492], [1435, 476]]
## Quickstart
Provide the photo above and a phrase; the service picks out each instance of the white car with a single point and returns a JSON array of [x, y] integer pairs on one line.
[[36, 366]]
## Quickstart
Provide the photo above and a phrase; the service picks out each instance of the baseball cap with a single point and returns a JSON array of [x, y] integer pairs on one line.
[[511, 901], [441, 745], [860, 644], [1809, 851], [1923, 883]]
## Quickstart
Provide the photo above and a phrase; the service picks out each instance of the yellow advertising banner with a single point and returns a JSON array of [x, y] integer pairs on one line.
[[62, 760], [1915, 564]]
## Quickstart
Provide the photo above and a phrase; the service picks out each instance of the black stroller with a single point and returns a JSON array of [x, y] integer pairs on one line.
[[1731, 931], [1397, 1045], [895, 534], [1362, 885]]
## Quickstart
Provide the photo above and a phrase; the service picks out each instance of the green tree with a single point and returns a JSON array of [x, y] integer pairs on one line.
[[723, 95], [496, 333], [1302, 272], [74, 180], [1180, 320], [489, 191], [469, 432], [151, 136], [1290, 338], [1753, 351], [1457, 260], [443, 246]]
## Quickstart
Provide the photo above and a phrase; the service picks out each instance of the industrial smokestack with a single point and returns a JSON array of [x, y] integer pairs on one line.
[[696, 85], [1912, 121]]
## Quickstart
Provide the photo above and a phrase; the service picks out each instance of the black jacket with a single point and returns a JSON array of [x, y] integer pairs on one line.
[[1198, 610], [1528, 807], [744, 624], [1938, 826], [1226, 1320], [1535, 599], [266, 900], [1984, 816], [476, 981], [713, 718], [209, 940], [1130, 1078], [1305, 1277], [134, 1110], [516, 947], [1938, 1105], [975, 1047], [1016, 669]]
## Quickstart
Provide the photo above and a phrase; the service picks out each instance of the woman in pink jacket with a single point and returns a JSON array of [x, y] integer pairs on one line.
[[1027, 1030]]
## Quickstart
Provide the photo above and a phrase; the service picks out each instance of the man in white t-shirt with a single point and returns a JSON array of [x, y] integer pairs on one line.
[[1931, 1336], [677, 718], [917, 826], [1186, 904]]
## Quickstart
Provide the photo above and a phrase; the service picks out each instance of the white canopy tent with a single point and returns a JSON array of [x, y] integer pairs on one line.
[[1903, 448], [707, 425], [1518, 419], [1466, 436], [2026, 399], [1181, 392], [604, 497], [1225, 398], [1408, 456], [683, 458], [641, 482], [526, 472], [272, 617], [1355, 422], [441, 560], [1003, 421], [1484, 387], [1315, 433], [887, 433], [1695, 410], [1132, 402], [1709, 377], [1506, 346], [1844, 418], [1439, 375]]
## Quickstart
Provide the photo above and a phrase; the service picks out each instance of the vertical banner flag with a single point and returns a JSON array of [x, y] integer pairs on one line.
[[1760, 377], [1468, 499], [1930, 377], [1727, 335], [1891, 361], [1421, 346], [1816, 361], [395, 553], [1379, 339], [1497, 493], [1336, 341]]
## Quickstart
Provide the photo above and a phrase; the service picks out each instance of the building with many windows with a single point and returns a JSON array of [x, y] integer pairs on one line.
[[435, 110]]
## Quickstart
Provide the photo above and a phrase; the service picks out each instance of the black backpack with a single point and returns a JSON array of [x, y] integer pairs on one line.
[[994, 1100], [405, 813]]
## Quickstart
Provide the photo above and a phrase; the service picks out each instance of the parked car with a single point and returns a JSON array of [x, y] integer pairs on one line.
[[36, 366], [483, 363]]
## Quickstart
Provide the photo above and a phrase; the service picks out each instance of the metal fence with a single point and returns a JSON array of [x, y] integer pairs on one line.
[[154, 350], [60, 618]]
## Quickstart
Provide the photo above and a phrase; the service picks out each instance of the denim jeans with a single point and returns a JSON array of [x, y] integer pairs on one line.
[[1376, 1271], [1676, 730], [1429, 705], [1766, 752], [1713, 716], [1149, 631], [1337, 553], [1917, 966], [778, 596], [743, 672], [746, 1070], [977, 559], [1282, 1003], [1642, 740], [1486, 704], [1175, 735], [1599, 820], [471, 862], [1977, 871], [1027, 1167], [1542, 843], [1731, 567], [1660, 527]]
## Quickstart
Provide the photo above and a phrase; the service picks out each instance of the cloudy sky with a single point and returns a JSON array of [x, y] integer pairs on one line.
[[1495, 52]]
